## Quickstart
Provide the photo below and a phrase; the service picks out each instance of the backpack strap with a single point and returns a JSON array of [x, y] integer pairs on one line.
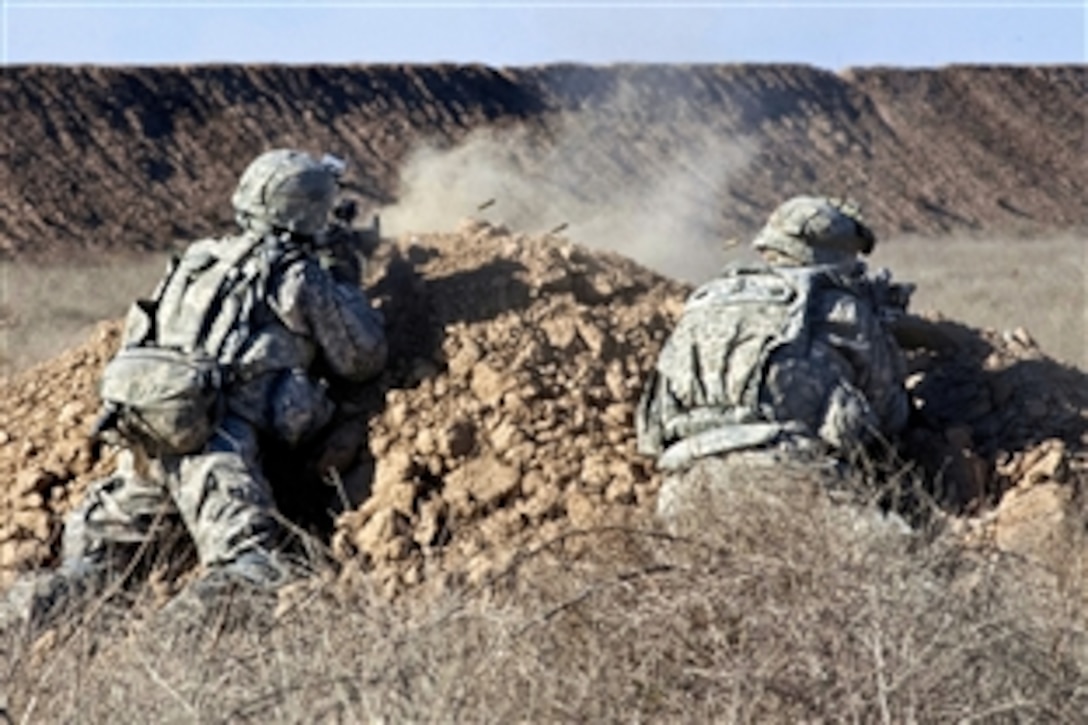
[[208, 303], [257, 272], [234, 275], [796, 330]]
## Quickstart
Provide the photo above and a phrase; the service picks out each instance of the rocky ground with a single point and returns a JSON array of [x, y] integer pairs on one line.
[[505, 418], [506, 415]]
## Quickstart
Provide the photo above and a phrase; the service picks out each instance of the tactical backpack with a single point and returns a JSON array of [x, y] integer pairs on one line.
[[710, 371], [163, 390]]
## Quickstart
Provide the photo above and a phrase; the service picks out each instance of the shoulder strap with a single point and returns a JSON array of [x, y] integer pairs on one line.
[[207, 295], [227, 308]]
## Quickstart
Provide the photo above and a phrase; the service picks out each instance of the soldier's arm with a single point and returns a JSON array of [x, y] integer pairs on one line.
[[914, 332], [339, 259], [338, 318], [855, 331], [649, 431], [887, 371]]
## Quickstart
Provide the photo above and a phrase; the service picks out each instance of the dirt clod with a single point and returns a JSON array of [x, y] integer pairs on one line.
[[500, 424]]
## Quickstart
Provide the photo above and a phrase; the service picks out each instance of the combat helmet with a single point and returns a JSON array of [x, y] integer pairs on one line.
[[815, 230], [284, 189]]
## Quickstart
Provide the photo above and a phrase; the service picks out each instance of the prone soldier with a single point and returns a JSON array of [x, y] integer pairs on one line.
[[237, 346], [789, 360]]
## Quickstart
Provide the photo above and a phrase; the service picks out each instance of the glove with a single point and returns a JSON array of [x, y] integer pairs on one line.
[[340, 260]]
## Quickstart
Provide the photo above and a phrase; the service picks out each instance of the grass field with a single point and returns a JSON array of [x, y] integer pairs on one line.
[[774, 610], [44, 310], [1041, 285]]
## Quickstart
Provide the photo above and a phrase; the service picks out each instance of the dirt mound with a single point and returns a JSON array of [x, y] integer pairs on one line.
[[505, 417], [139, 158], [45, 461]]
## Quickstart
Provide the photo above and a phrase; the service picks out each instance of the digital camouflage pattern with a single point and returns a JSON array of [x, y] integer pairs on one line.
[[763, 354], [816, 230], [287, 190], [769, 366], [286, 318], [783, 361], [307, 318], [219, 494], [162, 390]]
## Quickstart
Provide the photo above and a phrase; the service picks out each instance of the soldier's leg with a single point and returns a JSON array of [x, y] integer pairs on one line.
[[119, 516], [333, 463], [227, 503], [743, 488], [343, 447], [686, 494], [710, 488], [325, 474]]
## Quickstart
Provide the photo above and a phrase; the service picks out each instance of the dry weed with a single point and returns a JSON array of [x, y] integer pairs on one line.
[[783, 613]]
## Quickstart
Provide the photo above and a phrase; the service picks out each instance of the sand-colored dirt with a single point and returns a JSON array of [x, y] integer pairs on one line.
[[505, 417]]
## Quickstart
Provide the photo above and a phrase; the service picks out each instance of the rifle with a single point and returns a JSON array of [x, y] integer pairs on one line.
[[890, 298], [911, 331], [362, 240], [343, 249]]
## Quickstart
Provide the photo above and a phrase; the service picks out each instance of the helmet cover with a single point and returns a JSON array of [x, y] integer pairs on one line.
[[816, 230], [285, 189]]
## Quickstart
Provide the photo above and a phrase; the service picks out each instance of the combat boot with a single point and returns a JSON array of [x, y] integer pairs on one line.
[[257, 568], [249, 583], [38, 600]]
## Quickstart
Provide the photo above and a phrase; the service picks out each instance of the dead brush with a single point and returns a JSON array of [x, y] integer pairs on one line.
[[771, 608]]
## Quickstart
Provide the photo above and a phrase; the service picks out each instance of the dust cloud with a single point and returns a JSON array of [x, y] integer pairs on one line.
[[577, 179]]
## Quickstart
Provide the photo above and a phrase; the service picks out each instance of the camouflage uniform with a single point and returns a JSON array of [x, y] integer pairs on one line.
[[220, 493], [307, 319], [786, 360]]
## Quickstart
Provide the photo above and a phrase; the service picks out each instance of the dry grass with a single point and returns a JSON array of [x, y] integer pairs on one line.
[[44, 310], [775, 613], [1039, 284]]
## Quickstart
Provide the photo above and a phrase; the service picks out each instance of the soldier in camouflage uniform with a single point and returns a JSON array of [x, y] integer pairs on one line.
[[791, 360], [309, 315]]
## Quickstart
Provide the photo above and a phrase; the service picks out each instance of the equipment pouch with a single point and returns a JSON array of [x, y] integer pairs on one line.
[[168, 402]]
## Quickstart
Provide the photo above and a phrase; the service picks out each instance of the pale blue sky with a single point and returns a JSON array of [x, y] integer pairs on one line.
[[512, 32]]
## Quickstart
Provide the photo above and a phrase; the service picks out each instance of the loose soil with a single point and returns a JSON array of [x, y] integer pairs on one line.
[[506, 416]]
